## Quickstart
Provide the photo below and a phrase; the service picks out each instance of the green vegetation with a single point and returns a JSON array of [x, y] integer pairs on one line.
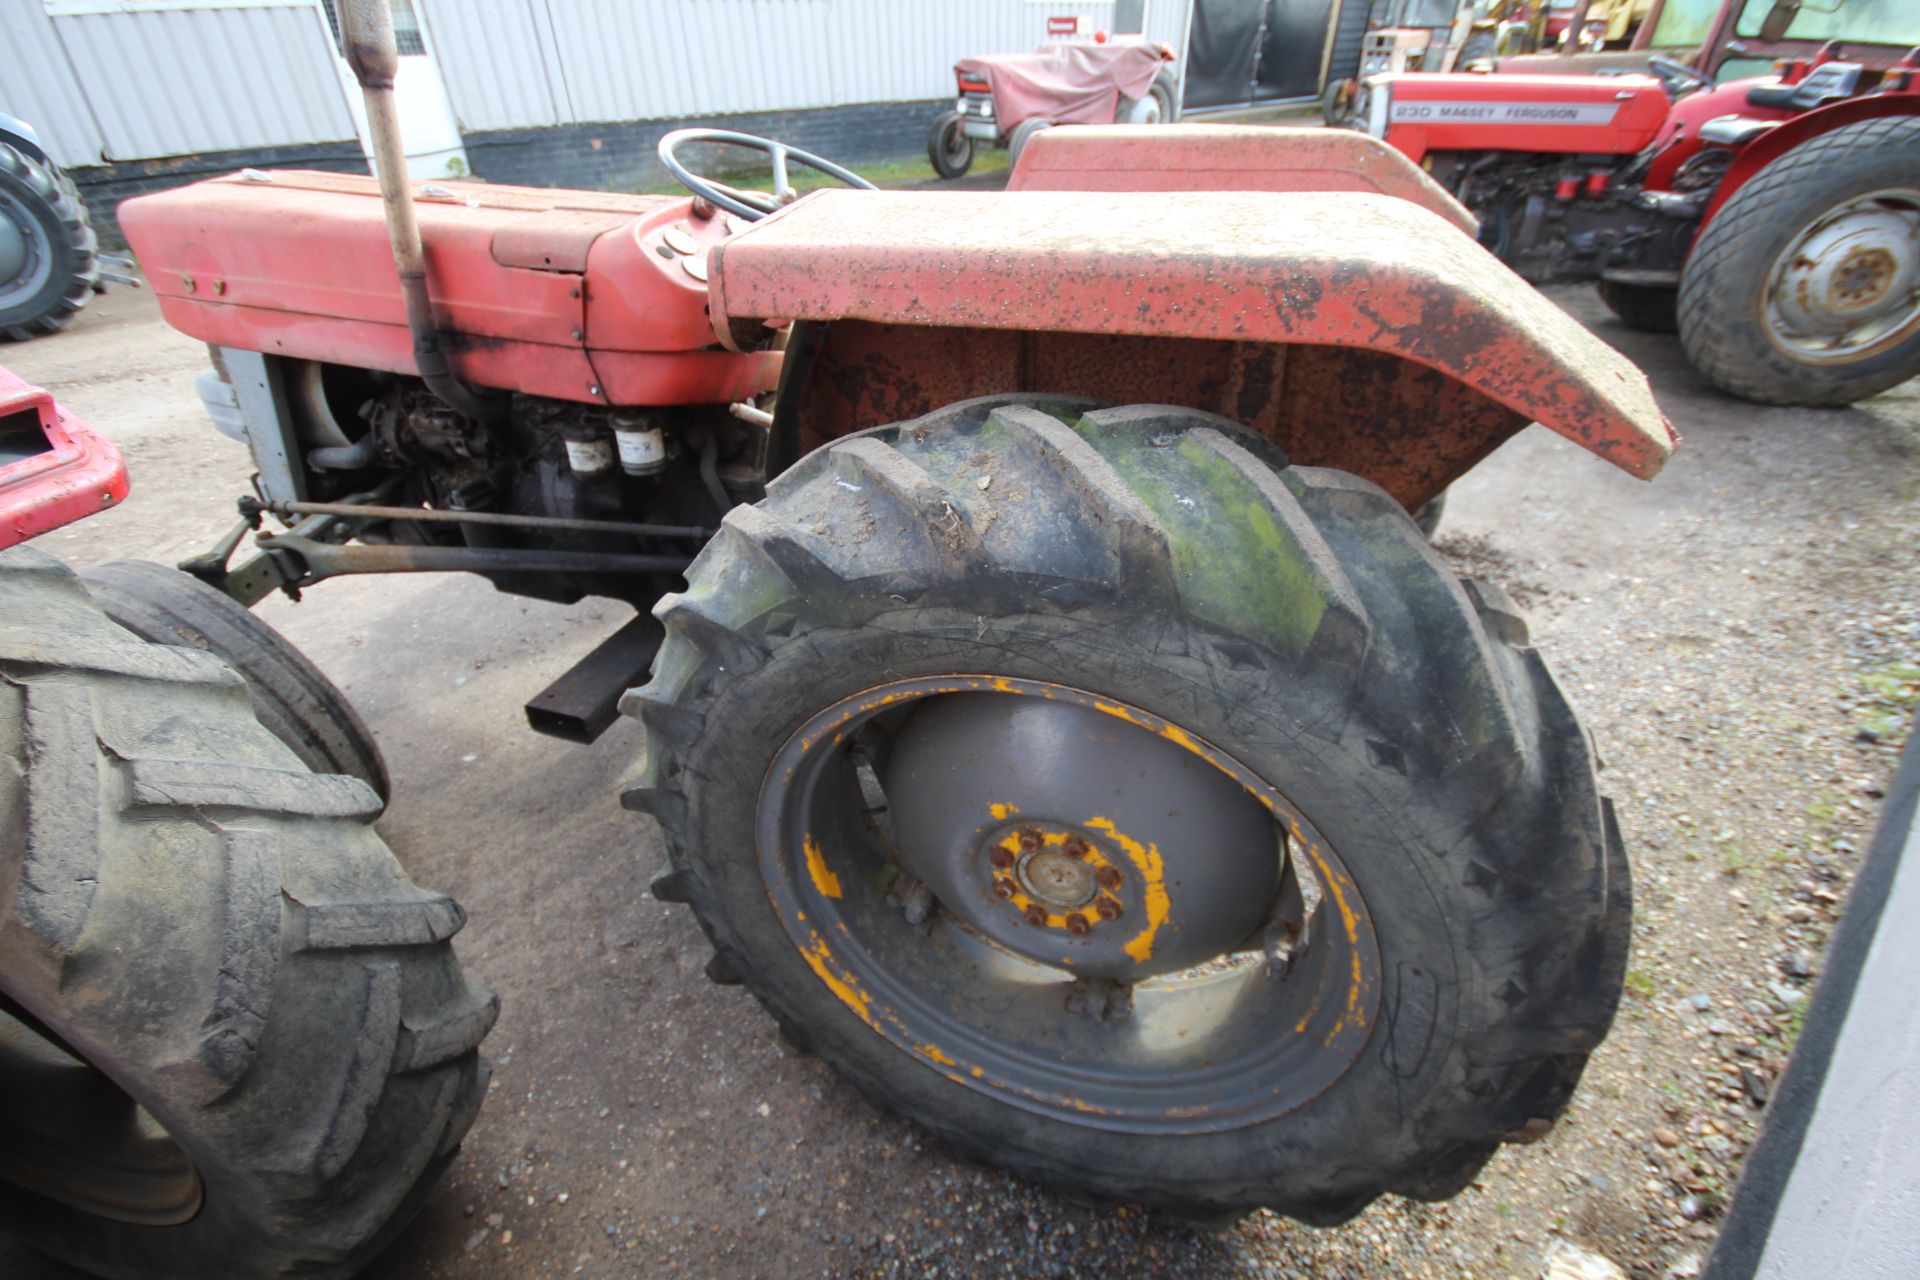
[[1889, 699], [898, 172], [1640, 983]]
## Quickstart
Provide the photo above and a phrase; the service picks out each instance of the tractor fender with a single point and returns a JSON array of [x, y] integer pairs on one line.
[[1357, 331], [1222, 157], [1773, 144], [20, 135]]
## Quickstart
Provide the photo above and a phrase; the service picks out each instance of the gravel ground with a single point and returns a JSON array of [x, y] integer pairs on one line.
[[1732, 632]]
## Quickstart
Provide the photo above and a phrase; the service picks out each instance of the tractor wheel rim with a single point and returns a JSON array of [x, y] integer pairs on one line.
[[70, 1134], [26, 258], [1108, 963], [953, 141], [1848, 286]]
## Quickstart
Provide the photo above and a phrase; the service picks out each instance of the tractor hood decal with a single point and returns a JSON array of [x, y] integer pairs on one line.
[[1404, 111]]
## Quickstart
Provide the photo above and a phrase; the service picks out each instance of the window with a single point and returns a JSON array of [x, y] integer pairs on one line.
[[406, 27], [1894, 22]]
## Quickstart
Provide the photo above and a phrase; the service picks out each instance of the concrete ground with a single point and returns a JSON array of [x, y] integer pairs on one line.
[[1720, 628]]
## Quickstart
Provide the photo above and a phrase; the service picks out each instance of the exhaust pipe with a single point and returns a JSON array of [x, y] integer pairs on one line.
[[366, 30]]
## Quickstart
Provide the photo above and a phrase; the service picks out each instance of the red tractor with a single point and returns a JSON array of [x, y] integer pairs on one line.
[[1775, 221], [1054, 716], [234, 1039]]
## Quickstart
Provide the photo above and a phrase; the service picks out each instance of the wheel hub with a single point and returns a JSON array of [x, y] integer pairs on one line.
[[26, 261], [1063, 902], [13, 247], [1851, 280], [1077, 839]]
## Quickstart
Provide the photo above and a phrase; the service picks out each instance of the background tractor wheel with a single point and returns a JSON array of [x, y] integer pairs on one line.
[[291, 697], [1002, 752], [1156, 108], [234, 1039], [1805, 287], [1018, 141], [47, 263], [1336, 104], [1649, 308], [948, 146]]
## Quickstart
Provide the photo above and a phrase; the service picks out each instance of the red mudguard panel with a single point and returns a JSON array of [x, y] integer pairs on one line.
[[1224, 157], [1561, 115], [54, 469], [1339, 317], [586, 296]]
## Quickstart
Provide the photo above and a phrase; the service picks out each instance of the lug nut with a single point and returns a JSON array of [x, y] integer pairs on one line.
[[1077, 925], [1077, 847], [1029, 839], [1107, 877], [1001, 858], [1109, 908], [1002, 888], [1037, 916]]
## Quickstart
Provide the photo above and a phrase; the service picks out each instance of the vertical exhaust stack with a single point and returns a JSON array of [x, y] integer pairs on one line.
[[366, 31]]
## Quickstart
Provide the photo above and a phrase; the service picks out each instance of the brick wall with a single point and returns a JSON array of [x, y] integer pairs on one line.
[[104, 186], [623, 155]]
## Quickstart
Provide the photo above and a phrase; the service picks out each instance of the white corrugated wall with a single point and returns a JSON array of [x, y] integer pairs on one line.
[[527, 63], [114, 80], [108, 80]]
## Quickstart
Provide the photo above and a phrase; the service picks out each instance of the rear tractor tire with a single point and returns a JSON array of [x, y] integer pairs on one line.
[[1002, 752], [1650, 308], [234, 1039], [291, 697], [48, 262], [1805, 287], [1022, 134], [949, 149]]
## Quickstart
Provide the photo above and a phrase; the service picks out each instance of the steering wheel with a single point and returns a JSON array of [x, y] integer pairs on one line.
[[751, 205], [1677, 78]]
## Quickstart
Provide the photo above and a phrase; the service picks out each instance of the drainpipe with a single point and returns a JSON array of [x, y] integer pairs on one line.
[[366, 29]]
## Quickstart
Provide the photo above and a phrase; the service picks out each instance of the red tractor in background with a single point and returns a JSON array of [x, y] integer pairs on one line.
[[1053, 714], [1004, 99], [1774, 221]]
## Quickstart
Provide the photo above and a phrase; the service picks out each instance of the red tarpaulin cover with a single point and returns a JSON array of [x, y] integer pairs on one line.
[[1065, 83]]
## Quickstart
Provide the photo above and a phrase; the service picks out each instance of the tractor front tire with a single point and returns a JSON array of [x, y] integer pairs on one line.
[[1805, 287], [48, 266], [949, 148], [1157, 107], [291, 696], [234, 1037], [944, 659], [1650, 308]]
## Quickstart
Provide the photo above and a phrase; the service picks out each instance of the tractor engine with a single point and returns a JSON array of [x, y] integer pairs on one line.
[[592, 478], [1572, 177], [1575, 217]]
